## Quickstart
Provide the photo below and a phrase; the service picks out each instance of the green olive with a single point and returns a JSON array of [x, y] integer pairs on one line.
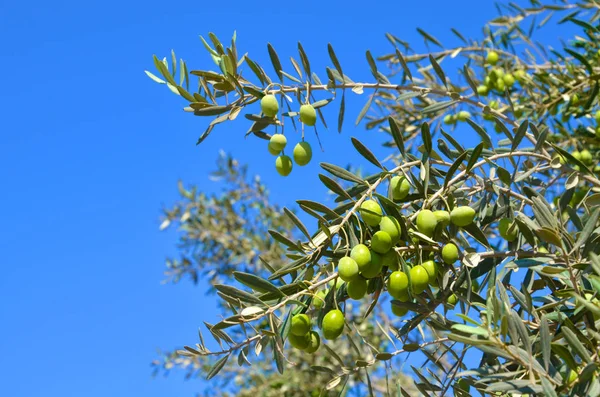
[[492, 57], [357, 288], [400, 187], [333, 324], [426, 222], [269, 105], [381, 242], [302, 153], [308, 115], [450, 253], [300, 324], [347, 269], [362, 255], [462, 216], [371, 212], [283, 165]]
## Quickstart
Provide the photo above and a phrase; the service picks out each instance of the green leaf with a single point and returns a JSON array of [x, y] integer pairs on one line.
[[341, 173], [576, 345], [297, 222], [588, 229], [521, 131], [304, 60], [334, 186], [334, 59], [438, 70], [153, 77], [454, 167], [237, 294], [257, 283], [397, 135], [284, 240], [342, 111], [366, 153], [467, 74], [218, 366], [545, 340], [275, 61], [404, 65], [426, 136], [437, 106], [581, 59], [365, 109], [467, 329], [481, 132], [429, 37], [474, 157]]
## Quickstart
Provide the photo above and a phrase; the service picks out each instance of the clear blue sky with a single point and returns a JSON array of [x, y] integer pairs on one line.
[[91, 149]]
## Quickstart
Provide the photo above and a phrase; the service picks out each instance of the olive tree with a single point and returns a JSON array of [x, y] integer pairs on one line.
[[480, 262]]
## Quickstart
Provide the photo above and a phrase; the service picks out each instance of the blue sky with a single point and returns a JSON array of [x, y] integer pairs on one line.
[[92, 149]]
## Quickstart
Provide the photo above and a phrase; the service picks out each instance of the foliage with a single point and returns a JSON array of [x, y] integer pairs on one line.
[[527, 307]]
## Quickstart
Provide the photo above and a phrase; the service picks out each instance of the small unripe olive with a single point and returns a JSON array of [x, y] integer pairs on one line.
[[492, 57], [586, 157], [300, 324], [399, 311], [506, 231], [572, 376], [283, 165], [443, 217], [314, 342], [483, 90], [390, 259], [576, 154], [391, 226], [333, 324], [520, 75], [381, 242], [318, 300], [432, 269], [337, 282], [273, 149], [277, 142], [269, 105], [426, 222], [400, 187], [452, 299], [357, 288], [500, 85], [419, 279], [463, 115], [574, 99], [598, 132], [497, 74], [597, 116], [462, 216], [509, 80], [361, 254], [371, 212], [300, 342], [397, 284], [450, 253], [308, 115], [347, 269], [449, 119], [302, 153], [373, 269]]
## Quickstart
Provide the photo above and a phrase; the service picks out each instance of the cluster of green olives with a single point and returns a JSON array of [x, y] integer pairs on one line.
[[463, 115], [497, 79], [301, 336], [366, 262], [302, 151]]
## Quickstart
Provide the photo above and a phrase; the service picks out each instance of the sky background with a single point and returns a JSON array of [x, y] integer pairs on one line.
[[91, 150]]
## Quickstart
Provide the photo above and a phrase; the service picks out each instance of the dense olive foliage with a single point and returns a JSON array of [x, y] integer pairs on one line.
[[450, 254]]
